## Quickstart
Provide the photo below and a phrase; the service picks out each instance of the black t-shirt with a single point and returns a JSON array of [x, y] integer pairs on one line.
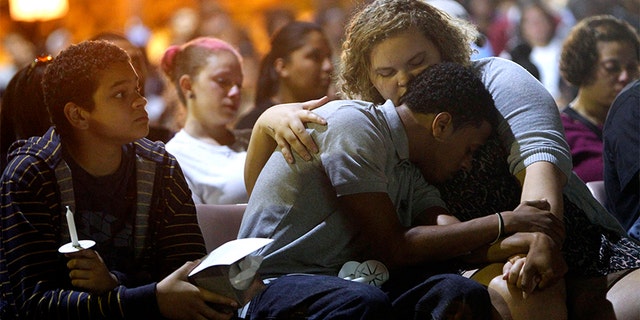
[[105, 210]]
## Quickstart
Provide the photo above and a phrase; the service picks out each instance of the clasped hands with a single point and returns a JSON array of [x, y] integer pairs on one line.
[[543, 264]]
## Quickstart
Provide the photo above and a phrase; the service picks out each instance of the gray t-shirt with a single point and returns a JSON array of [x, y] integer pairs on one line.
[[532, 131], [364, 148]]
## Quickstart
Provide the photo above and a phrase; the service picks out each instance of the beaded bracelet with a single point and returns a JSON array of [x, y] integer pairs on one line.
[[500, 227]]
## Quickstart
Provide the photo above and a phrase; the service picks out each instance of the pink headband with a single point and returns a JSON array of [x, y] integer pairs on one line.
[[209, 43]]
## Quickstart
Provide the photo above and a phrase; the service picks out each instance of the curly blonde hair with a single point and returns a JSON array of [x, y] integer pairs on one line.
[[383, 19]]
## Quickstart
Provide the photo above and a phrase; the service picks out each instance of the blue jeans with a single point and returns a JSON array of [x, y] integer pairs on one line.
[[319, 297], [439, 296], [327, 297]]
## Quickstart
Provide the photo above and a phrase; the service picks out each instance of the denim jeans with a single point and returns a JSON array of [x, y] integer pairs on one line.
[[327, 297], [319, 297], [440, 296]]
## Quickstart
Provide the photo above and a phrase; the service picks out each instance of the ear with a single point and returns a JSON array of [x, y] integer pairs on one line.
[[442, 126], [185, 84], [77, 116], [281, 68]]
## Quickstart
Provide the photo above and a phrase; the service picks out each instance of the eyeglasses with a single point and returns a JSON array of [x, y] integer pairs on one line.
[[39, 60]]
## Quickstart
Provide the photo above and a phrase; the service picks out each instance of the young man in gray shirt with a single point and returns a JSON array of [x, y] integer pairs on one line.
[[364, 196]]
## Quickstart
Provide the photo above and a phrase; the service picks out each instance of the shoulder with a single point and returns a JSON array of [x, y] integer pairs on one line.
[[180, 137], [500, 70], [358, 125], [152, 150], [494, 63], [152, 156], [627, 103], [45, 150], [515, 90], [573, 127], [351, 113]]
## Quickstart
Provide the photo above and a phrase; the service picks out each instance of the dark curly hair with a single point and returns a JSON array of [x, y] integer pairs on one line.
[[579, 57], [452, 88], [73, 77]]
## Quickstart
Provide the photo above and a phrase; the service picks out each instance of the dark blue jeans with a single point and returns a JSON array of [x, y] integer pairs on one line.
[[319, 297], [326, 297], [419, 296]]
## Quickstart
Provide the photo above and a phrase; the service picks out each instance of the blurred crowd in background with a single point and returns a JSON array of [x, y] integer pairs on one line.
[[528, 32]]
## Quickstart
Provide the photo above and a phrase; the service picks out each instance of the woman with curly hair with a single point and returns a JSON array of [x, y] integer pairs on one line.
[[599, 57], [388, 42]]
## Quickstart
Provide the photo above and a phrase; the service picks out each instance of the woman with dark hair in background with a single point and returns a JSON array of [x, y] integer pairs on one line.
[[297, 68], [23, 113], [600, 57], [538, 33]]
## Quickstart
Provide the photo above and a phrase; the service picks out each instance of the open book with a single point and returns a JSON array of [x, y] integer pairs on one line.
[[230, 271]]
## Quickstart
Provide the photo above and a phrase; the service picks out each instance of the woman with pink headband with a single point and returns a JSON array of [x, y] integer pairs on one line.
[[207, 76]]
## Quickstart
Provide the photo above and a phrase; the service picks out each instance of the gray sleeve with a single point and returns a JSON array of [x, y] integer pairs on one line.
[[530, 126], [367, 160], [355, 164]]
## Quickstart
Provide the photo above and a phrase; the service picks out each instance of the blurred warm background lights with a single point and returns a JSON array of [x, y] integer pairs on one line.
[[32, 10]]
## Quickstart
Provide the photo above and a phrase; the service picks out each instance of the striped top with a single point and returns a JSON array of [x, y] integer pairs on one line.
[[35, 187]]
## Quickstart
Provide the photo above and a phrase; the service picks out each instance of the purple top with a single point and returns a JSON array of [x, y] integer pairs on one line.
[[585, 141]]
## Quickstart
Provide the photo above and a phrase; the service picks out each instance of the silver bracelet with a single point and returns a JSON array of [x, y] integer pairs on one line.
[[500, 227]]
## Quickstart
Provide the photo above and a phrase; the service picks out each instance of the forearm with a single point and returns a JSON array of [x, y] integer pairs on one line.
[[46, 294], [482, 231], [443, 242], [260, 148], [178, 238], [544, 180], [531, 131], [518, 243], [120, 303]]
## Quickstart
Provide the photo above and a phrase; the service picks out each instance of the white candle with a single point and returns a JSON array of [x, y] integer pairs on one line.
[[72, 228]]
